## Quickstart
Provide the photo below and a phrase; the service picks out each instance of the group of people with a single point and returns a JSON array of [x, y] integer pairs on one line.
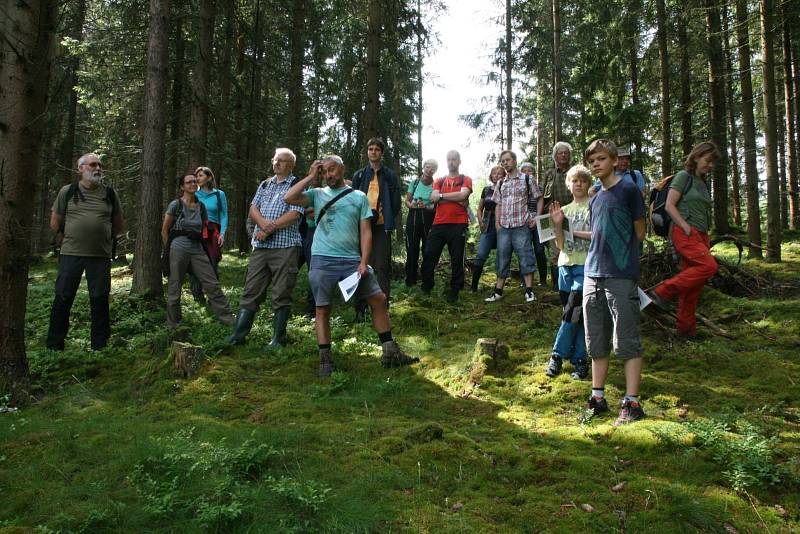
[[340, 227]]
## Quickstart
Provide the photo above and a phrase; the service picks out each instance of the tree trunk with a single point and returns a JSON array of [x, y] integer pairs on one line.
[[782, 178], [796, 106], [295, 88], [556, 70], [201, 83], [223, 119], [421, 82], [176, 115], [770, 133], [25, 57], [509, 70], [68, 156], [663, 60], [237, 217], [372, 109], [147, 258], [685, 102], [736, 200], [748, 125], [718, 117], [791, 140], [633, 63]]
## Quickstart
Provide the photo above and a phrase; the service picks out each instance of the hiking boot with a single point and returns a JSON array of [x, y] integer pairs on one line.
[[279, 321], [493, 298], [530, 297], [325, 362], [629, 413], [393, 356], [596, 406], [244, 322], [554, 366], [581, 370], [452, 296], [660, 302]]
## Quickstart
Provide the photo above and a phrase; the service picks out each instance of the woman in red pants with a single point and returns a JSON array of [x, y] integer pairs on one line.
[[689, 206]]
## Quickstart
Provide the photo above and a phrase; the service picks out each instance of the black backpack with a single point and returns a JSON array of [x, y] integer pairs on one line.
[[74, 194], [659, 217]]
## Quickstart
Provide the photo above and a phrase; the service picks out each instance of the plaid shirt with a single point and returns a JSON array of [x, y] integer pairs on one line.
[[555, 187], [269, 201], [511, 196]]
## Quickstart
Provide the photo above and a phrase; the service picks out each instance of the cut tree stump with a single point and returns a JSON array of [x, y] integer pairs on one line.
[[488, 355], [188, 359]]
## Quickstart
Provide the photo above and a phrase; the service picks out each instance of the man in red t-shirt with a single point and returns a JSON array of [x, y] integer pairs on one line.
[[450, 194]]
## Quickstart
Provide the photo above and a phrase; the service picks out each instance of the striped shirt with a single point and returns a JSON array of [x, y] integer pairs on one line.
[[269, 201]]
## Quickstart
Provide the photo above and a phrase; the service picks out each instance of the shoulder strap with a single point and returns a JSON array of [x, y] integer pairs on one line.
[[219, 200], [331, 202], [414, 187]]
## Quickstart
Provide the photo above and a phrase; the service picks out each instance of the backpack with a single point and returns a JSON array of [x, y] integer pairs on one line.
[[173, 233], [74, 194], [659, 217]]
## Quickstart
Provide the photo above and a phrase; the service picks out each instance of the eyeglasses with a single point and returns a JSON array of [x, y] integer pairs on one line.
[[282, 161], [94, 164]]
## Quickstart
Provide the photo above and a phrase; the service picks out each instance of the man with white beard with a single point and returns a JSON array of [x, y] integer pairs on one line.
[[86, 216]]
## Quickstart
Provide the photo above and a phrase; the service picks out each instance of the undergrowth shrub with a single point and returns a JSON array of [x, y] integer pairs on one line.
[[215, 485]]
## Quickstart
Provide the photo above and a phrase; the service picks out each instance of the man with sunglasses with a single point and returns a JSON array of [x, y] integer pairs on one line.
[[86, 215]]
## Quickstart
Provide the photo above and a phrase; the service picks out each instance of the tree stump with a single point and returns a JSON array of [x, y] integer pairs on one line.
[[488, 355], [188, 359]]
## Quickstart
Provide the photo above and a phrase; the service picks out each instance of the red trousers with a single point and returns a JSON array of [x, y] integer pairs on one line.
[[697, 267]]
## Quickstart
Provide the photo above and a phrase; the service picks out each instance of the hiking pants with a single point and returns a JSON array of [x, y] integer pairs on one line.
[[98, 278], [455, 237], [276, 266], [697, 267], [179, 262], [418, 224]]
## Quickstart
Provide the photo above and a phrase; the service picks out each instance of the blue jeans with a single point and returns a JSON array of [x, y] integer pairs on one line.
[[486, 243], [517, 240], [570, 342]]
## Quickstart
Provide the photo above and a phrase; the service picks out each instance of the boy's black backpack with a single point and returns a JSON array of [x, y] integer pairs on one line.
[[74, 194], [659, 217]]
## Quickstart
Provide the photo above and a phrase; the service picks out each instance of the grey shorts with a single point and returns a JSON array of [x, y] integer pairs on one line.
[[326, 273], [611, 315]]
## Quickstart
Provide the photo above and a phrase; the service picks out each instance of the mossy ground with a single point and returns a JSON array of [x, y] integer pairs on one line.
[[114, 442]]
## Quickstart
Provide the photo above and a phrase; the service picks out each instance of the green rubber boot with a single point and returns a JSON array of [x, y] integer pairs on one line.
[[244, 322], [279, 327]]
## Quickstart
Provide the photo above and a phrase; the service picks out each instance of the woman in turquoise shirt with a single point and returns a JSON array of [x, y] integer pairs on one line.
[[216, 204]]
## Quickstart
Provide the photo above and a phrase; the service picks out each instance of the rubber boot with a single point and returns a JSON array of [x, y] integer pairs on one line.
[[476, 278], [279, 327], [325, 362], [244, 322], [554, 276]]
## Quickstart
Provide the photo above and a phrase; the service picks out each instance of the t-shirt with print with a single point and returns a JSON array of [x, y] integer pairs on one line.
[[695, 205], [448, 212], [87, 227], [189, 220], [575, 251], [614, 248], [338, 234], [422, 192]]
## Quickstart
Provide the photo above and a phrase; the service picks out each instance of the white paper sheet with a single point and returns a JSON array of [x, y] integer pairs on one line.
[[349, 285], [644, 300]]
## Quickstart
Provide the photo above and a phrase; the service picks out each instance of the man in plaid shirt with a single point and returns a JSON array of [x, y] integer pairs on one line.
[[276, 252], [518, 200]]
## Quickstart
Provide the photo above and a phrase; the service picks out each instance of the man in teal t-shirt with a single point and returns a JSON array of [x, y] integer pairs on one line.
[[342, 244]]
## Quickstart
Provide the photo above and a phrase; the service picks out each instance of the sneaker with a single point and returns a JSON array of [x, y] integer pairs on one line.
[[393, 356], [493, 298], [581, 371], [596, 406], [554, 366], [530, 297], [629, 413], [660, 302]]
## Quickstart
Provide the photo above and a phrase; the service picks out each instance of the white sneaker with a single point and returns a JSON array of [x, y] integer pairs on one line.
[[494, 298], [530, 297]]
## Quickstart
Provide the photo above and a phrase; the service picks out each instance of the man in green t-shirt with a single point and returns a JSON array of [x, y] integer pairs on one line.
[[88, 215]]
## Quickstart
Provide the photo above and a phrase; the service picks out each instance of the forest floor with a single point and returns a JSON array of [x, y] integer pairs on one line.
[[257, 443]]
